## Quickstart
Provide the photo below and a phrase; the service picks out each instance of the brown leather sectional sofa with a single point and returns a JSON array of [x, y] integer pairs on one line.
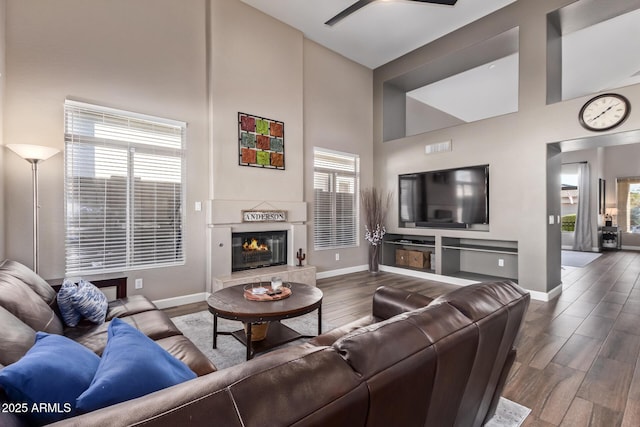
[[413, 362]]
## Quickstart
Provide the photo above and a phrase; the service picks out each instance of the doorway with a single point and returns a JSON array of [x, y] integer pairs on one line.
[[609, 156]]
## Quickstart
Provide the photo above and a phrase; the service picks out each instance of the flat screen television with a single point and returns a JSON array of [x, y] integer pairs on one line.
[[452, 198]]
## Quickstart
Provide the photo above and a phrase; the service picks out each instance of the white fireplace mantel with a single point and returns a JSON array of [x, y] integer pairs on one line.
[[225, 218], [229, 212]]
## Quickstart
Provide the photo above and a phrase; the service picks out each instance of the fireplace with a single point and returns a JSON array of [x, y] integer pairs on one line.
[[258, 249]]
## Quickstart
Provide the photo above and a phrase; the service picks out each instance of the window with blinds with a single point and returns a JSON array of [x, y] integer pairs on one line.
[[628, 212], [336, 208], [124, 190]]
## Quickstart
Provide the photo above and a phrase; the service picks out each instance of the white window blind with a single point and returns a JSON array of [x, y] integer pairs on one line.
[[336, 208], [124, 190]]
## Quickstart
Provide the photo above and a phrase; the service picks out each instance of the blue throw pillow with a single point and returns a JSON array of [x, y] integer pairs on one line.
[[51, 376], [131, 366], [90, 302], [70, 315]]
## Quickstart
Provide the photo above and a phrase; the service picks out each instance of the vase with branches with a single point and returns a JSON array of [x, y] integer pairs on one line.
[[375, 205]]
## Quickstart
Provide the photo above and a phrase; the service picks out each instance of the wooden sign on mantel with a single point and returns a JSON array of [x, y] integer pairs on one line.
[[264, 216]]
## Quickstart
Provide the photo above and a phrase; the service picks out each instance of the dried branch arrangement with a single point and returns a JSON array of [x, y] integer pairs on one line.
[[375, 205]]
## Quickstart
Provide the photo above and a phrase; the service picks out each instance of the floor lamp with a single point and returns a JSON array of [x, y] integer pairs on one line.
[[34, 154]]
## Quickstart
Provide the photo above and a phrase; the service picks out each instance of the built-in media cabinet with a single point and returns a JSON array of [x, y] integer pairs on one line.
[[465, 258]]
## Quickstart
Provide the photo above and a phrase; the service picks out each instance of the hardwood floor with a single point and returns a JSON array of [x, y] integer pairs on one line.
[[577, 362]]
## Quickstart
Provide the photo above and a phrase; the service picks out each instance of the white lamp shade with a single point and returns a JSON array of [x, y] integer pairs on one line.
[[33, 152]]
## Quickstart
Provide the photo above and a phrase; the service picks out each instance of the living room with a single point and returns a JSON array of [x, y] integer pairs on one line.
[[203, 62]]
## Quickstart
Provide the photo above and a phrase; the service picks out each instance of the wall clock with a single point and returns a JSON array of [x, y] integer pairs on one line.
[[604, 112]]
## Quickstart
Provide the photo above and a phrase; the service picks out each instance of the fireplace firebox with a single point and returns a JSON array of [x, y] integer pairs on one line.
[[258, 249]]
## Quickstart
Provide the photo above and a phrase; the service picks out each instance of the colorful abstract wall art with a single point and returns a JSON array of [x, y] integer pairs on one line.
[[260, 142]]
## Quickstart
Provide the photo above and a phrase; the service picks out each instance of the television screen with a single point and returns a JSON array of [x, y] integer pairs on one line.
[[452, 198]]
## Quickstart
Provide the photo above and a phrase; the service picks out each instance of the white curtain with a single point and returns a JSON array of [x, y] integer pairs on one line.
[[582, 238]]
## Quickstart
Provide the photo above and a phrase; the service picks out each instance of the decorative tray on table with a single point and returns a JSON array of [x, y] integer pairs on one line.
[[264, 292]]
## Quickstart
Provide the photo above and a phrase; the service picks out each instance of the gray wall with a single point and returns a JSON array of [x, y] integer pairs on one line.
[[146, 56], [338, 116], [514, 145], [554, 167], [324, 99], [163, 58], [255, 72]]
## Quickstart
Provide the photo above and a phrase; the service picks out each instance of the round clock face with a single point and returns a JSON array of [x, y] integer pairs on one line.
[[604, 112]]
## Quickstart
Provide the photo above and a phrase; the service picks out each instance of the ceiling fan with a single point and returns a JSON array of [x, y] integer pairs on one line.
[[362, 3]]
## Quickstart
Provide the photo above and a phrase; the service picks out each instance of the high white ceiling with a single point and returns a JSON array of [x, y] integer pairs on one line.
[[379, 32], [387, 29]]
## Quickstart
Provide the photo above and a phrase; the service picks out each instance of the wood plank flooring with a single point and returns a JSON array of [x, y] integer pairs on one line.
[[577, 362]]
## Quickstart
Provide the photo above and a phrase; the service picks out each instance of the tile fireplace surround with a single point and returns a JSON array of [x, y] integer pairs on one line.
[[224, 220]]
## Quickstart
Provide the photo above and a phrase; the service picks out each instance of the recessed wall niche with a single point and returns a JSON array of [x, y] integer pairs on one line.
[[589, 48], [471, 84]]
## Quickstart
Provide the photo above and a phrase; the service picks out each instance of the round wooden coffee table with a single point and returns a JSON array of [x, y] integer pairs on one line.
[[230, 303]]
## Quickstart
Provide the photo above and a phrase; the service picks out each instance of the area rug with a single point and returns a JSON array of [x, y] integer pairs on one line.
[[198, 327], [578, 259]]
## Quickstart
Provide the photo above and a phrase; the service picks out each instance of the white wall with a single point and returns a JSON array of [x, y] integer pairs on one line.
[[146, 56], [515, 145], [337, 116]]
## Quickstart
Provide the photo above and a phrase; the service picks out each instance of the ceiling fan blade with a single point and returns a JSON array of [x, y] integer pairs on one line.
[[446, 2], [348, 11], [362, 3]]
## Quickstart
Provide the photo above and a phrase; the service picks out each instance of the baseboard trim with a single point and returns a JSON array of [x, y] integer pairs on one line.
[[341, 271], [429, 276], [630, 248], [181, 300], [546, 296], [570, 248]]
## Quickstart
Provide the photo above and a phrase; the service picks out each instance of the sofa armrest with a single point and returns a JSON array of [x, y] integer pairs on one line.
[[387, 302]]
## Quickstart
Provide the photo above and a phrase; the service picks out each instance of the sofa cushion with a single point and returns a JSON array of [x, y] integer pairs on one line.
[[305, 385], [127, 306], [413, 353], [496, 309], [184, 350], [330, 337], [90, 302], [68, 311], [388, 301], [55, 370], [16, 338], [131, 366], [24, 303], [154, 324], [31, 279], [481, 299]]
